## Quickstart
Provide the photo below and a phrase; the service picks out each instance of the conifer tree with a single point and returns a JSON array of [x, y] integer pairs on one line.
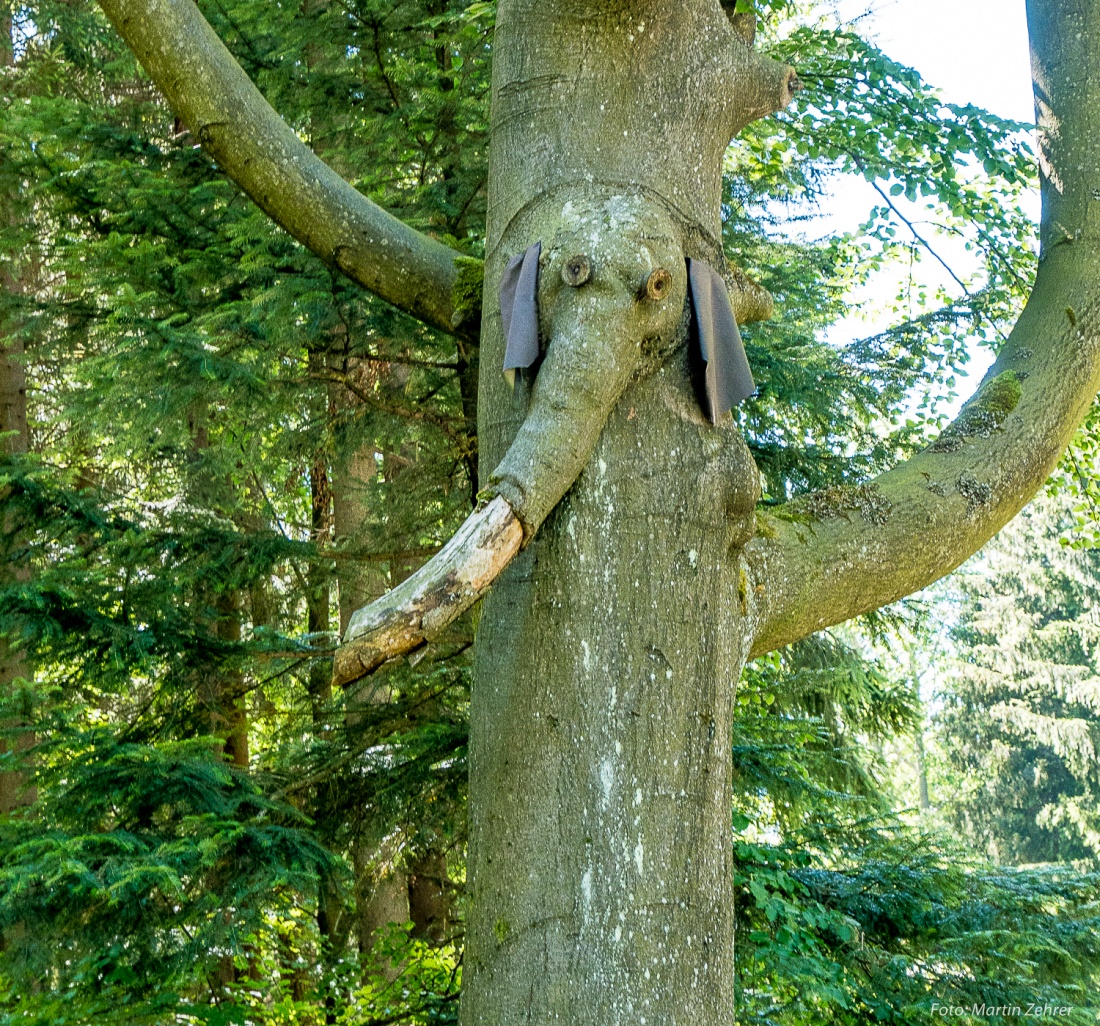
[[1020, 722]]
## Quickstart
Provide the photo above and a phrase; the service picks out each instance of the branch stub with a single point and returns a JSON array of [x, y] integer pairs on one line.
[[659, 285], [577, 271]]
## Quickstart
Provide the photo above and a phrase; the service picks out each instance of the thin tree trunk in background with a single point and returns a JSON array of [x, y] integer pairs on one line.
[[261, 607], [14, 440], [381, 895], [221, 689], [318, 598], [230, 718], [469, 368], [13, 662], [318, 615], [231, 701], [358, 582], [922, 772], [430, 898], [330, 912], [262, 614], [385, 894], [918, 740]]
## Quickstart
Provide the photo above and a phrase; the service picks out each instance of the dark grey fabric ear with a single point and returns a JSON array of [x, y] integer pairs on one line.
[[728, 378], [519, 310]]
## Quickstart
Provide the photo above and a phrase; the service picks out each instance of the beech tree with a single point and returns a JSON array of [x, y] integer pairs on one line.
[[632, 572]]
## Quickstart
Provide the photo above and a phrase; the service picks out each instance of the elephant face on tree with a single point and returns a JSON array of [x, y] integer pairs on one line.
[[611, 307]]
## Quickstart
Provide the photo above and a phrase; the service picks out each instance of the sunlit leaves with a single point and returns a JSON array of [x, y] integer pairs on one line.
[[939, 170]]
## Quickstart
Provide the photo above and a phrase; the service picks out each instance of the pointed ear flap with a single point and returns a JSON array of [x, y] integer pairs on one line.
[[519, 310], [727, 378]]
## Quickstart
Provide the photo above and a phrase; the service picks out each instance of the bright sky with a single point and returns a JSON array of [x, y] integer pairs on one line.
[[972, 51]]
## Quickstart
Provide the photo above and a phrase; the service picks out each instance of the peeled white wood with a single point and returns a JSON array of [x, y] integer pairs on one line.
[[446, 586]]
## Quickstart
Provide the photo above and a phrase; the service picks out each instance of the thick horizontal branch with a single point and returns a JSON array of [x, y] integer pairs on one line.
[[416, 611], [837, 554], [213, 96]]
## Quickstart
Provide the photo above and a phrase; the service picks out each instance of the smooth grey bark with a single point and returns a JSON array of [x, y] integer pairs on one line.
[[600, 868], [608, 653]]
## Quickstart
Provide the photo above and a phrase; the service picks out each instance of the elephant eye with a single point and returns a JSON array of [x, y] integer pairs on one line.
[[658, 285], [577, 271]]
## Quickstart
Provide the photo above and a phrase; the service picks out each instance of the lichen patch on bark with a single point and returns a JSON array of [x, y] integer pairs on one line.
[[839, 501], [988, 410], [977, 493]]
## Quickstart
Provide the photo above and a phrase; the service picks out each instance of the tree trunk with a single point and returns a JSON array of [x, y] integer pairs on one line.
[[381, 897], [231, 715], [14, 441], [918, 738], [220, 689], [318, 613], [318, 598], [600, 768]]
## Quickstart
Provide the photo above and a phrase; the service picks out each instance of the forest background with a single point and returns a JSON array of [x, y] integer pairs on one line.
[[217, 448]]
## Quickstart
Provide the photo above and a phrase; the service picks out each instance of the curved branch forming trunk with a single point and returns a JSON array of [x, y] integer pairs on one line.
[[257, 149], [831, 556]]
